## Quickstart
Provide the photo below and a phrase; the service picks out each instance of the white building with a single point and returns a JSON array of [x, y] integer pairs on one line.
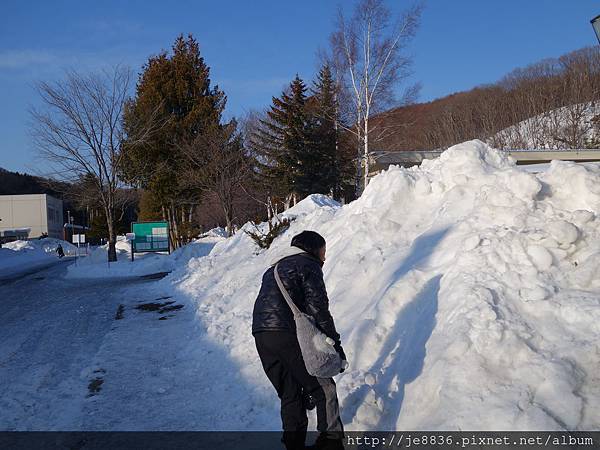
[[30, 216]]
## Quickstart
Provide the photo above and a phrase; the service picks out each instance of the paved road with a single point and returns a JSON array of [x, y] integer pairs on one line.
[[50, 330], [16, 274]]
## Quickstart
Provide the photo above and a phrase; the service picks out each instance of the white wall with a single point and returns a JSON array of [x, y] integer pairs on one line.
[[29, 215]]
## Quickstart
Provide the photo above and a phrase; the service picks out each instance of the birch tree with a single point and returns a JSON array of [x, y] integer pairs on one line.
[[370, 52]]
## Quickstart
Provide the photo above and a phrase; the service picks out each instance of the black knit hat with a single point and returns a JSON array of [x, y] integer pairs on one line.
[[309, 241]]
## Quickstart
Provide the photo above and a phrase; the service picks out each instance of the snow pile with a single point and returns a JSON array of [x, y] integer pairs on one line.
[[46, 246], [195, 249], [312, 203], [215, 232], [465, 290], [96, 265], [19, 256]]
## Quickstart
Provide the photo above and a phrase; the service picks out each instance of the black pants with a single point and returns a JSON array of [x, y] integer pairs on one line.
[[282, 360]]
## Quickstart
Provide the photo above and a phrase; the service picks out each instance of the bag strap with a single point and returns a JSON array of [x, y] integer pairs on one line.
[[285, 293]]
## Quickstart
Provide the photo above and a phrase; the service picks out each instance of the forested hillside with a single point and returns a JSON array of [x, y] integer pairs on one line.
[[12, 183], [563, 91]]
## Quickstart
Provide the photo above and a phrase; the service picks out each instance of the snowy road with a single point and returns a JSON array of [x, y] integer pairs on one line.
[[113, 354], [51, 331]]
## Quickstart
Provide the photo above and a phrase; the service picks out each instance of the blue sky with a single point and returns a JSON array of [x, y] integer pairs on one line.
[[255, 47]]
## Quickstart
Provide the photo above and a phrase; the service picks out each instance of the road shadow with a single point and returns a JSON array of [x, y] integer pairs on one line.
[[38, 268]]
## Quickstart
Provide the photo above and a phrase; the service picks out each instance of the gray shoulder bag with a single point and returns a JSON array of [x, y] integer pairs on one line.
[[320, 358]]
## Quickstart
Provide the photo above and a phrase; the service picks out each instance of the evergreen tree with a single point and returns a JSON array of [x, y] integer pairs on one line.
[[174, 90], [298, 141], [334, 165], [280, 143], [150, 208], [325, 134], [298, 145]]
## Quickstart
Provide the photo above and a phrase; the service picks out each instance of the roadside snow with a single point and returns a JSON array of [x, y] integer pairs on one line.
[[20, 256], [465, 290], [96, 265], [215, 232]]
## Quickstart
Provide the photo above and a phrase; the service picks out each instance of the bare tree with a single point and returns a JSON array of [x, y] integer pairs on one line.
[[369, 51], [79, 131], [217, 165], [551, 104]]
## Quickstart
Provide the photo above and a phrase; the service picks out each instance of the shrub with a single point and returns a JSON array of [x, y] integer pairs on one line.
[[276, 227]]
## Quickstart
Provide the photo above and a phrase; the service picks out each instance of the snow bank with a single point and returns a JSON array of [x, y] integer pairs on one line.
[[215, 232], [466, 292], [96, 265], [20, 256], [310, 204]]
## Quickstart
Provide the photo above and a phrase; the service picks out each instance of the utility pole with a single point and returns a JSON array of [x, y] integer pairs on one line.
[[596, 25], [70, 224]]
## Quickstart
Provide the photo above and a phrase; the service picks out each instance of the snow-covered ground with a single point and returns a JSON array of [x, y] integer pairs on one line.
[[21, 256], [96, 265], [110, 354], [466, 292]]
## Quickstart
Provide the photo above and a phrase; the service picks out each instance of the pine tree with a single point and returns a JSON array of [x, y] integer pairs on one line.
[[325, 133], [298, 143], [280, 143], [175, 90], [334, 169]]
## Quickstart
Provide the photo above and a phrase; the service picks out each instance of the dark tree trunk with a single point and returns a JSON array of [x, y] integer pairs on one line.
[[112, 238]]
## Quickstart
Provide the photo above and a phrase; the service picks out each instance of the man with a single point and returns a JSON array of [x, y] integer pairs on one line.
[[274, 331]]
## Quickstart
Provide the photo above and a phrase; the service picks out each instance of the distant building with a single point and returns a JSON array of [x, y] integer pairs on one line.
[[30, 216], [382, 160]]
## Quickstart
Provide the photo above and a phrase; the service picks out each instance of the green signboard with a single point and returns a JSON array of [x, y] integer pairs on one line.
[[150, 237]]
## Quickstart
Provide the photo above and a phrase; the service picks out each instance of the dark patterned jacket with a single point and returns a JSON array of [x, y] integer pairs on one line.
[[302, 276]]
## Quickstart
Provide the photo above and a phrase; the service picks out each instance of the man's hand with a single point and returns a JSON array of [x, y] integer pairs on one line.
[[344, 365]]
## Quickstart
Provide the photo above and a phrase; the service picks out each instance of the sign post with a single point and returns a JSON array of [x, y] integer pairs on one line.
[[130, 237], [149, 237], [78, 239]]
